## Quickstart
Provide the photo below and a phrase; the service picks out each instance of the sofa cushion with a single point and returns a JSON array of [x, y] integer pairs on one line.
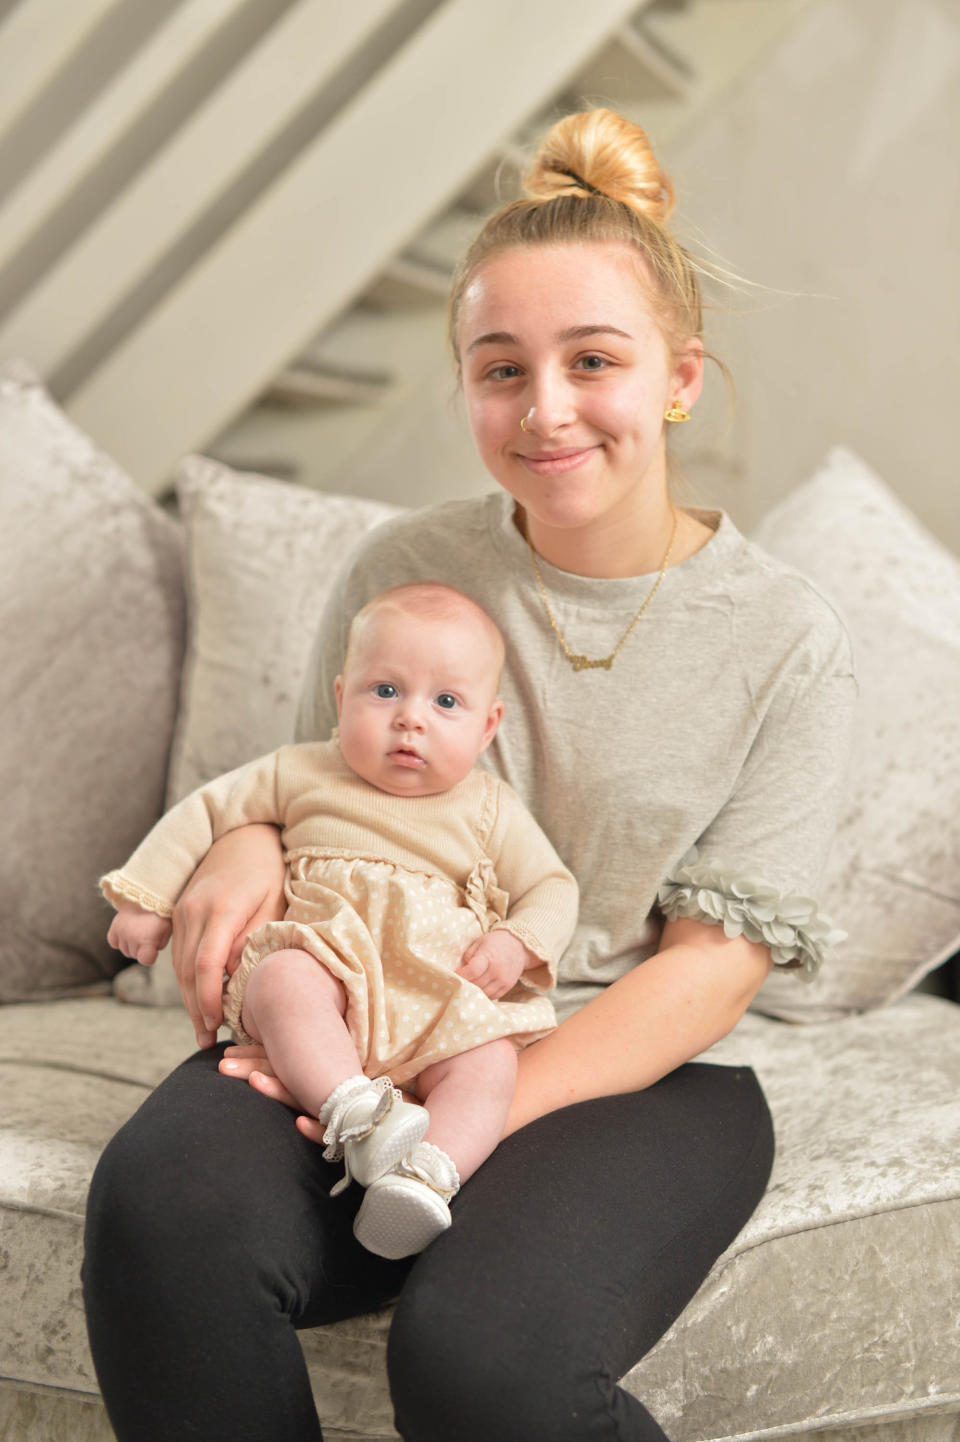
[[261, 557], [893, 878], [91, 646], [834, 1295]]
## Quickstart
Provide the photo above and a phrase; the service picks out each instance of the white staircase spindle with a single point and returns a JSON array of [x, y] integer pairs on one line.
[[332, 220], [37, 39]]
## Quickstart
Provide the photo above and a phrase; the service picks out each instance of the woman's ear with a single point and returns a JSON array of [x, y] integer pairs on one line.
[[688, 374]]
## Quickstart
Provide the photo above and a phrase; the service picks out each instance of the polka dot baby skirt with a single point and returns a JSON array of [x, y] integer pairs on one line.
[[393, 938]]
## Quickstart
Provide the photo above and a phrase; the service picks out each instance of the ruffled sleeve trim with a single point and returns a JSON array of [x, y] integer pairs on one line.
[[116, 888], [799, 938]]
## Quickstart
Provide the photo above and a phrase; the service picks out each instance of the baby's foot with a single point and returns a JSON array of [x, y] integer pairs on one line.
[[371, 1127], [408, 1206]]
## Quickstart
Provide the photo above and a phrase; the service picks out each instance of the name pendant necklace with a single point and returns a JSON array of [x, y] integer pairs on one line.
[[589, 663]]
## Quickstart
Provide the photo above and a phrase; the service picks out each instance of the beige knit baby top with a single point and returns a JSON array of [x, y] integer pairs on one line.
[[479, 835]]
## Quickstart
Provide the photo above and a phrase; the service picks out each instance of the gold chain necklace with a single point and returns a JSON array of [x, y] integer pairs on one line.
[[586, 663]]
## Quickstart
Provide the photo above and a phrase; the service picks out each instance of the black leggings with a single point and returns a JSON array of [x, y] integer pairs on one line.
[[211, 1237]]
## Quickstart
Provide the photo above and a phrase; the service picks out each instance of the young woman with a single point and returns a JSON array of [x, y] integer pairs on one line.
[[678, 713]]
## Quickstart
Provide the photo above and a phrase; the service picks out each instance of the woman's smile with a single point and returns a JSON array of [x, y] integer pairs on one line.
[[558, 462]]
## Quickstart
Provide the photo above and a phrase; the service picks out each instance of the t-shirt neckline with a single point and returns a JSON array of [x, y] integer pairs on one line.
[[608, 591]]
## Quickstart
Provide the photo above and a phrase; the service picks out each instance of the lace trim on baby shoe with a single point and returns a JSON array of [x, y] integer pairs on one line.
[[432, 1166], [334, 1109]]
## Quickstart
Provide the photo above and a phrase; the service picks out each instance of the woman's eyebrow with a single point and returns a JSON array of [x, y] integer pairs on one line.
[[493, 337], [575, 332], [580, 332]]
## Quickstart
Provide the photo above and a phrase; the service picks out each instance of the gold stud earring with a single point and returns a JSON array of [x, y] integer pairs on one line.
[[675, 414]]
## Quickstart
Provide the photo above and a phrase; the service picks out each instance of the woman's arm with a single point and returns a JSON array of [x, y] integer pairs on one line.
[[660, 1015], [236, 888], [664, 1012]]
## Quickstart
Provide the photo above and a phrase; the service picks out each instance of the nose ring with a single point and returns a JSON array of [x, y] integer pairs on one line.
[[523, 423]]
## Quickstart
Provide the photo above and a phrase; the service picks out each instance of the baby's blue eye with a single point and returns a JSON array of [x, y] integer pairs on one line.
[[386, 691], [446, 700]]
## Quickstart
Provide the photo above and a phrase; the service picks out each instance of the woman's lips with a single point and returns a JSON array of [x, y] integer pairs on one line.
[[556, 463]]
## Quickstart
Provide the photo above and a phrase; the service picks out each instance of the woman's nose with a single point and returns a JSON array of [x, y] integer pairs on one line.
[[551, 406]]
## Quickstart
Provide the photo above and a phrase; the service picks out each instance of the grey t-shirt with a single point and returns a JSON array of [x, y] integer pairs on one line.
[[705, 768]]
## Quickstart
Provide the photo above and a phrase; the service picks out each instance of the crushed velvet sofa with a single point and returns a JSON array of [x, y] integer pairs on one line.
[[142, 652]]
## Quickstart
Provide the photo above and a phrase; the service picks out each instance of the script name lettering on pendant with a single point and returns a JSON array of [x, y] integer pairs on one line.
[[584, 663]]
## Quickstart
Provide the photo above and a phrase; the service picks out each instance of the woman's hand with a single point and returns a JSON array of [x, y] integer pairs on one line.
[[236, 888], [251, 1064]]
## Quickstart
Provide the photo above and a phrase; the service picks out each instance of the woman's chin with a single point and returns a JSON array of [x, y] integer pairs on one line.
[[566, 513]]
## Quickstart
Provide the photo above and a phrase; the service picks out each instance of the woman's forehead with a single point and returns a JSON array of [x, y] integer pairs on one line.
[[563, 288]]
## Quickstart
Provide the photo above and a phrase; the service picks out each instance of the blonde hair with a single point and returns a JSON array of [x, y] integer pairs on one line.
[[595, 178]]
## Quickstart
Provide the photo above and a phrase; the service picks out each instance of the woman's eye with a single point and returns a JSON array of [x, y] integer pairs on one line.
[[503, 373], [446, 701], [592, 363], [385, 691]]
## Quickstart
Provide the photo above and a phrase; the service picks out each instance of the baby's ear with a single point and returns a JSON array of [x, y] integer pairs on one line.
[[338, 693], [493, 721]]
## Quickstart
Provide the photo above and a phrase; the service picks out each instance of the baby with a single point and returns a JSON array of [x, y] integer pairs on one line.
[[426, 912]]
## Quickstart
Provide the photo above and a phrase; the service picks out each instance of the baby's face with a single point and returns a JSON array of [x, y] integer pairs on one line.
[[417, 701]]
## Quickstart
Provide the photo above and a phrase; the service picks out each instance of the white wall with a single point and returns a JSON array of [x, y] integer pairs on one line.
[[834, 175], [831, 176]]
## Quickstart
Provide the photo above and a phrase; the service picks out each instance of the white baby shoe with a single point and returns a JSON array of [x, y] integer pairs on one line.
[[405, 1208], [369, 1126]]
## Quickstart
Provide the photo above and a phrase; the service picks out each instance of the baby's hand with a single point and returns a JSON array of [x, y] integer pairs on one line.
[[139, 933], [495, 962]]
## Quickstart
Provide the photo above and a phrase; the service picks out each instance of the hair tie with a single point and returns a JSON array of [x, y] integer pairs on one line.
[[585, 184]]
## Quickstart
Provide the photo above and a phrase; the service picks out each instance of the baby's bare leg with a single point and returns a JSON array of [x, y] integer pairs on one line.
[[296, 1008], [468, 1097]]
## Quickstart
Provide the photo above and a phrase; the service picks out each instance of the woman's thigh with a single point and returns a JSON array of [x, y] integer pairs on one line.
[[573, 1248], [211, 1237]]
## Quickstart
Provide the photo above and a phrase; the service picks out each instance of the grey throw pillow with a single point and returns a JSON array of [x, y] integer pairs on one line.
[[261, 558], [893, 877], [91, 645]]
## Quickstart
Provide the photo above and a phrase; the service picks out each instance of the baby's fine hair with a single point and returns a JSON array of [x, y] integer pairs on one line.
[[433, 600]]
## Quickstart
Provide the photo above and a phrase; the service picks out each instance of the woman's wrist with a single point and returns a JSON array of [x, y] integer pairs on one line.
[[664, 1012]]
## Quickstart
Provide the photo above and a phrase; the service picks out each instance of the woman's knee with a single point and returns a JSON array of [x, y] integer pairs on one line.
[[457, 1371], [184, 1183], [475, 1372], [443, 1381], [149, 1215]]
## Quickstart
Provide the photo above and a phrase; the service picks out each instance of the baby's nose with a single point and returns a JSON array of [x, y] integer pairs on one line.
[[409, 716]]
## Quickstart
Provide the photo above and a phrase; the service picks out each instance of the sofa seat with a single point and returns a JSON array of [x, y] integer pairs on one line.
[[862, 1210]]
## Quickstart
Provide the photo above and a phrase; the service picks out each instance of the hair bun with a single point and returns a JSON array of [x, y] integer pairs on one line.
[[599, 151]]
